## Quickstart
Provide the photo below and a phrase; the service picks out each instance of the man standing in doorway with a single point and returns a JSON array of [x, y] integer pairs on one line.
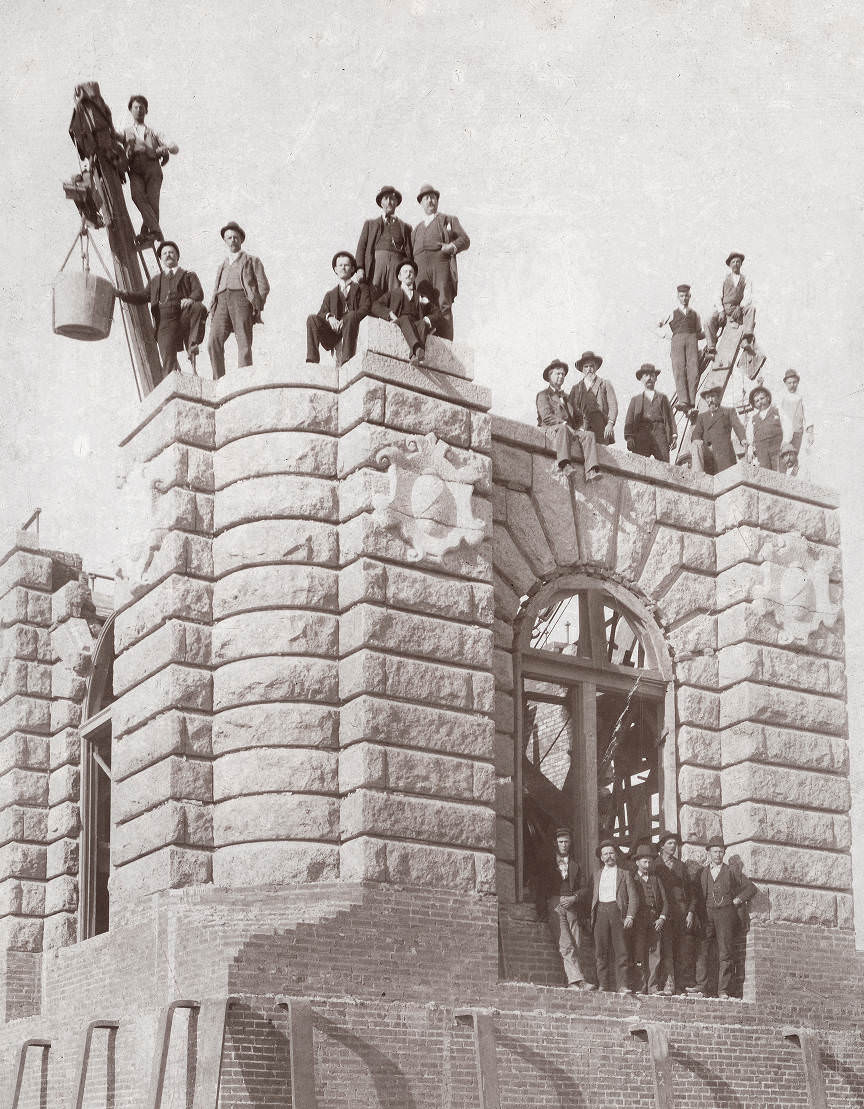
[[614, 902], [435, 242], [239, 295], [676, 966], [722, 893], [561, 901]]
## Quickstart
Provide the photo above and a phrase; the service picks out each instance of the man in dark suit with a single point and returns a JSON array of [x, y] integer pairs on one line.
[[562, 900], [435, 242], [383, 243], [711, 438], [650, 427], [239, 294], [595, 399], [412, 307], [554, 410], [614, 903], [344, 306], [723, 897], [677, 940], [650, 920], [176, 303]]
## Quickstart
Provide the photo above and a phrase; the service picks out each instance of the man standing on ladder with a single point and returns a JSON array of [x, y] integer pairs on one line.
[[147, 151], [736, 304]]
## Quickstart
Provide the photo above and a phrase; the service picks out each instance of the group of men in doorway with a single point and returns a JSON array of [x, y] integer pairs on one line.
[[654, 925]]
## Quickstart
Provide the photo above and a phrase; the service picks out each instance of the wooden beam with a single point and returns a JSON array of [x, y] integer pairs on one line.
[[45, 1045], [656, 1037], [211, 1035], [302, 1054], [160, 1057], [111, 1026], [811, 1057], [485, 1055]]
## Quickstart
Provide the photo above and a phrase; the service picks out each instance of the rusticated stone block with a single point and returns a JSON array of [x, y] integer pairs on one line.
[[378, 337], [272, 770], [61, 895], [737, 506], [20, 934], [169, 867], [744, 621], [698, 786], [63, 785], [275, 864], [698, 707], [173, 822], [61, 857], [526, 528], [22, 860], [554, 502], [276, 497], [64, 821], [372, 812], [281, 409], [364, 535], [176, 641], [61, 930], [685, 510], [175, 687], [786, 515], [801, 906], [25, 568], [699, 670], [697, 827], [172, 733], [275, 725], [752, 781], [362, 765], [797, 866], [362, 401], [363, 859], [62, 682], [360, 491], [511, 564], [383, 628], [434, 775], [64, 714], [275, 452], [416, 680], [276, 816], [28, 752], [275, 679], [786, 707], [737, 584], [378, 720], [185, 419], [24, 714], [687, 594], [698, 747], [179, 553], [415, 590], [695, 635], [23, 787], [481, 432], [743, 661], [763, 743], [22, 898], [23, 824], [418, 414], [175, 598], [32, 679], [664, 561], [25, 606], [420, 865], [173, 778], [275, 541], [792, 826], [278, 631], [510, 466], [263, 587]]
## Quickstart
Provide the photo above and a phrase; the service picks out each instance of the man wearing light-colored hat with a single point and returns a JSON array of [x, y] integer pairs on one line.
[[385, 242], [435, 242], [239, 294], [649, 428], [791, 408], [555, 411], [686, 328], [735, 304]]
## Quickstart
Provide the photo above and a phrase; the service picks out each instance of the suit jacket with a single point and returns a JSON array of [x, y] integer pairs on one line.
[[680, 893], [188, 287], [416, 308], [660, 900], [764, 430], [453, 232], [626, 893], [369, 236], [359, 300], [640, 412], [727, 886], [254, 279], [584, 400], [554, 408], [551, 884], [715, 430]]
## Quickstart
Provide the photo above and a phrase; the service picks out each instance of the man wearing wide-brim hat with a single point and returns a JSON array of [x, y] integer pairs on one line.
[[711, 438], [649, 428], [766, 430], [614, 902], [735, 304], [595, 398], [724, 894], [239, 294], [384, 242], [435, 242], [554, 412], [344, 306], [677, 954], [650, 920]]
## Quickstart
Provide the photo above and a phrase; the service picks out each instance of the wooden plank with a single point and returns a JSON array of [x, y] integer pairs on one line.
[[45, 1045], [211, 1035], [658, 1046], [484, 1053], [302, 1054], [160, 1057], [111, 1026], [811, 1057]]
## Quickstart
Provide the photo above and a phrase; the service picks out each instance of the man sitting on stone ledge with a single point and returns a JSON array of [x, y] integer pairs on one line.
[[338, 320], [413, 310], [555, 411]]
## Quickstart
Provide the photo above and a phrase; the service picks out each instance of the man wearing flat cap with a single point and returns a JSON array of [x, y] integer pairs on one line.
[[562, 900], [649, 427], [554, 411], [686, 329], [239, 294], [736, 304], [338, 320], [711, 438], [723, 898], [766, 430], [435, 242], [147, 151], [595, 398], [384, 242], [676, 951], [614, 903], [176, 303]]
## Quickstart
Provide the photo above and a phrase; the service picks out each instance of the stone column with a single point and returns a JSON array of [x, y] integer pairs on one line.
[[275, 628], [161, 769], [417, 754]]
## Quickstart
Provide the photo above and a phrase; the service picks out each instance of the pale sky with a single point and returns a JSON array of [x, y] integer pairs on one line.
[[596, 153]]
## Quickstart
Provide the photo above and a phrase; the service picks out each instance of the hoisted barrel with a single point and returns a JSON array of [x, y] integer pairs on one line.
[[83, 306]]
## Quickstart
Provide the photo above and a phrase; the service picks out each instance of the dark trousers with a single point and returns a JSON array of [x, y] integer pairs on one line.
[[677, 955], [233, 312], [178, 328], [595, 421], [574, 445], [716, 319], [344, 342], [145, 184], [768, 453], [386, 273], [685, 367], [651, 440], [415, 331], [609, 937], [434, 267], [646, 952], [721, 936]]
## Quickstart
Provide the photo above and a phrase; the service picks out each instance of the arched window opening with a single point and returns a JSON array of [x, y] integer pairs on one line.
[[590, 740], [95, 733]]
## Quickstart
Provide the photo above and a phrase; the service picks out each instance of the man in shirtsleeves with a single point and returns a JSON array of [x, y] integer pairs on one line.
[[435, 242], [147, 151], [686, 328], [736, 304], [562, 898]]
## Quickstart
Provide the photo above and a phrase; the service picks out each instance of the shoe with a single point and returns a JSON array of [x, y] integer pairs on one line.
[[313, 361], [421, 355], [588, 987], [668, 989], [724, 997], [594, 475], [693, 991], [625, 990]]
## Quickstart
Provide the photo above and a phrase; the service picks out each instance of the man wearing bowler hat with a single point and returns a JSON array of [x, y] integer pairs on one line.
[[686, 328], [147, 151], [239, 294], [791, 408], [412, 308], [723, 897], [766, 430], [176, 303], [711, 437], [676, 951], [384, 242], [650, 920], [562, 899], [435, 242], [595, 398], [736, 304], [650, 427], [614, 902], [554, 411], [344, 306]]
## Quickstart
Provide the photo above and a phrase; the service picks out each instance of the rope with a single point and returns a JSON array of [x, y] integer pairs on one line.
[[613, 741]]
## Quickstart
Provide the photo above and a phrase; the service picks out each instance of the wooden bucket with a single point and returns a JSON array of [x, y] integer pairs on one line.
[[83, 306]]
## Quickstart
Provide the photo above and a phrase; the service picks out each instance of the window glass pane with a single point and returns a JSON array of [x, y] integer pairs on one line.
[[563, 627], [627, 766]]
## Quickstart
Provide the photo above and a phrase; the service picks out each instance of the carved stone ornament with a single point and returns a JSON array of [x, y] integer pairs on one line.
[[794, 589], [429, 503]]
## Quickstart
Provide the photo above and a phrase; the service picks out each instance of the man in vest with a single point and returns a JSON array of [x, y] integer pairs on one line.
[[344, 306], [650, 921], [435, 242], [711, 437], [239, 294], [736, 304], [561, 902], [649, 428], [686, 328], [723, 897], [147, 151], [595, 399], [766, 431], [176, 300], [554, 411], [384, 244]]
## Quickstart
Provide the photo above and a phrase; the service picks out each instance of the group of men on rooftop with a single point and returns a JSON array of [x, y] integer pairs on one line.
[[655, 926]]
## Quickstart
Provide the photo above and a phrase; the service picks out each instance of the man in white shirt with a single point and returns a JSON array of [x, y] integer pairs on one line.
[[686, 329], [736, 304], [435, 242], [791, 408], [613, 909], [147, 151], [239, 294]]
